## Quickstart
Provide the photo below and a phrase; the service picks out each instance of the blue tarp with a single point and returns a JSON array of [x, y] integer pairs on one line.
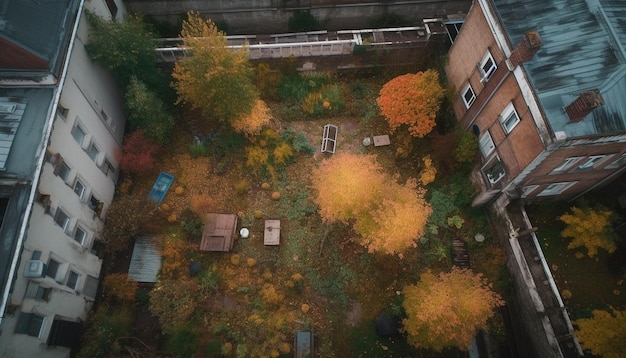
[[160, 187]]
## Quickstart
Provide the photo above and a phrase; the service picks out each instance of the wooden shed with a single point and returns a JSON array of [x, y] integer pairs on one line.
[[219, 232]]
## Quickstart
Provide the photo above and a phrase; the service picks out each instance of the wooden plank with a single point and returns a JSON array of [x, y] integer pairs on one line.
[[381, 140], [271, 235]]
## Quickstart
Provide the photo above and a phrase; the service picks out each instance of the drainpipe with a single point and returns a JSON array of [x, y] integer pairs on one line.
[[39, 165]]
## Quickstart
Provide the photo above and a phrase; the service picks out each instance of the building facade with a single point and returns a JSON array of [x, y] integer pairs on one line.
[[62, 120], [541, 85]]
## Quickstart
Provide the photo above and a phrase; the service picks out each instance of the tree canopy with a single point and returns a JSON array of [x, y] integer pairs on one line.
[[604, 334], [448, 309], [213, 78], [412, 99], [388, 216], [147, 112], [589, 228]]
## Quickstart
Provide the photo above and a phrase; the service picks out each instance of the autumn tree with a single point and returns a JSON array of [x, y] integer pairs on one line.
[[213, 78], [354, 189], [589, 228], [251, 124], [448, 309], [137, 155], [146, 111], [604, 334], [412, 99]]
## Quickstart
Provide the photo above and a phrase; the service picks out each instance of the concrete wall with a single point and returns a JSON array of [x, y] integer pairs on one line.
[[272, 16]]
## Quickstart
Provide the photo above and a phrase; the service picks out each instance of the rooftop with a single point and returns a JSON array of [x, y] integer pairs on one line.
[[35, 33], [583, 49]]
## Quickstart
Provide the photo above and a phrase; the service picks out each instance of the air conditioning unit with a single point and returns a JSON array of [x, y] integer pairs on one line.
[[34, 268]]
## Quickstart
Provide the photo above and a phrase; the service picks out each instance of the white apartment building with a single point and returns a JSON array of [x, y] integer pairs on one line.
[[61, 120]]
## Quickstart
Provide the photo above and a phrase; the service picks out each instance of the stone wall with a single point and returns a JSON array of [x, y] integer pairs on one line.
[[272, 16]]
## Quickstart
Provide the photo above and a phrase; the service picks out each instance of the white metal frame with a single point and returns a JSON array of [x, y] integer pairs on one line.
[[329, 144]]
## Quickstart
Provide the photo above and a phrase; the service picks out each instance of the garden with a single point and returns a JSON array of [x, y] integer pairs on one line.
[[365, 230]]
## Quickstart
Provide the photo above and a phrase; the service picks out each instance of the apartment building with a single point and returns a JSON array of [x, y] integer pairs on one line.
[[61, 119], [542, 85]]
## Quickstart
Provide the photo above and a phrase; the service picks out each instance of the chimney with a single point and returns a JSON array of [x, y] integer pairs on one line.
[[526, 49], [583, 105]]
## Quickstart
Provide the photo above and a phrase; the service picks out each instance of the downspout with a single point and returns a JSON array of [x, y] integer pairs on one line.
[[39, 165]]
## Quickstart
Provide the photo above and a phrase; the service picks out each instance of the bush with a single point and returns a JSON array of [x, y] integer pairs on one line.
[[146, 111], [137, 155], [183, 342], [466, 148]]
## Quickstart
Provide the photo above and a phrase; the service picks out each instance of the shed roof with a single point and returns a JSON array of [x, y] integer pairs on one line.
[[145, 263], [219, 232], [583, 49]]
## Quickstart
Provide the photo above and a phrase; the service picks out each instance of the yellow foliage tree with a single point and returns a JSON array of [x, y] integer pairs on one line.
[[448, 310], [252, 124], [388, 216], [604, 334], [213, 78], [412, 99], [588, 228]]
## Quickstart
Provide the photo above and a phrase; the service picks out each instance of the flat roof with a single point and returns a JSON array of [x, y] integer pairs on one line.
[[582, 49]]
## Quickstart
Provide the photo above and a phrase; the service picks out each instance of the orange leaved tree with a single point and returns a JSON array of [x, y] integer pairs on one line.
[[251, 124], [589, 228], [354, 189], [412, 99], [604, 334], [448, 310]]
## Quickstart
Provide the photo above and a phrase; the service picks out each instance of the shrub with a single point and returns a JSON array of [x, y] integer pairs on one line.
[[117, 286], [241, 187], [183, 342], [197, 150], [147, 112], [466, 148], [137, 155]]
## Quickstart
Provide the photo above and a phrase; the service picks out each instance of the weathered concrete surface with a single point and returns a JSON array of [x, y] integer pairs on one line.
[[272, 16]]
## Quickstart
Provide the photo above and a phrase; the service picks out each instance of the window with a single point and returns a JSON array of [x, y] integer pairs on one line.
[[527, 190], [468, 96], [53, 267], [487, 67], [64, 172], [95, 204], [79, 188], [486, 144], [108, 169], [509, 118], [556, 188], [30, 324], [79, 134], [617, 163], [35, 291], [494, 170], [61, 219], [63, 112], [591, 162], [80, 235], [73, 280], [93, 152], [565, 165]]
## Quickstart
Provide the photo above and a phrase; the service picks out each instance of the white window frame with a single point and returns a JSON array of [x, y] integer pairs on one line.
[[617, 163], [486, 144], [527, 190], [79, 188], [592, 162], [466, 89], [76, 283], [82, 239], [565, 165], [508, 113], [83, 136], [66, 223], [90, 151], [556, 188], [487, 73]]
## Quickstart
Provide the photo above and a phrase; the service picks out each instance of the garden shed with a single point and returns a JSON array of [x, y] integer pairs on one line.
[[219, 232]]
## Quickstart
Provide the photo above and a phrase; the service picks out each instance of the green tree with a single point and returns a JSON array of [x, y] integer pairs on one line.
[[604, 334], [589, 228], [147, 112], [126, 48], [213, 78], [448, 310]]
